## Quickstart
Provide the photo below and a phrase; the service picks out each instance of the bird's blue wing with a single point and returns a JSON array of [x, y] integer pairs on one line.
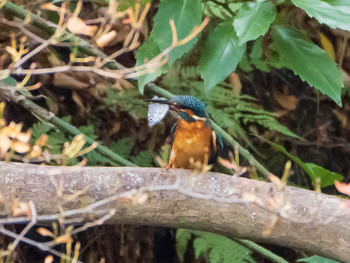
[[218, 146], [172, 133]]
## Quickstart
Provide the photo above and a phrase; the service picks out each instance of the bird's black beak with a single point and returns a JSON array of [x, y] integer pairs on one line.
[[160, 101]]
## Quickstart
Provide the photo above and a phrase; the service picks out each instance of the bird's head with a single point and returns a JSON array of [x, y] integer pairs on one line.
[[187, 107]]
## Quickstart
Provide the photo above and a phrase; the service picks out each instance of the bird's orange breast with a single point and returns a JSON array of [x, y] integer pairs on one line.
[[192, 145]]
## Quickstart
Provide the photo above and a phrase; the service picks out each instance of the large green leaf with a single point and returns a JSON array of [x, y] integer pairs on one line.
[[253, 20], [317, 259], [327, 178], [221, 55], [334, 13], [186, 14], [145, 53], [309, 61]]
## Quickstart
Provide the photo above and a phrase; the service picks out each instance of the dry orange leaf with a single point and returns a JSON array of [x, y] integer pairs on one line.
[[275, 180], [42, 140], [49, 259], [227, 163], [342, 187], [20, 147], [22, 209], [5, 143], [342, 117], [50, 6], [24, 137], [235, 82], [44, 232], [35, 152], [288, 102], [77, 26], [66, 238]]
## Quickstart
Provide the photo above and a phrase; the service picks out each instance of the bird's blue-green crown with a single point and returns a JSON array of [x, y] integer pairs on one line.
[[191, 103]]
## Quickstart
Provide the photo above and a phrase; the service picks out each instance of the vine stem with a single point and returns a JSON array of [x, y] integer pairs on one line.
[[260, 250], [224, 5]]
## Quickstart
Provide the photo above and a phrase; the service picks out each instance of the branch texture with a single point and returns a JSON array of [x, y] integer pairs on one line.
[[228, 205]]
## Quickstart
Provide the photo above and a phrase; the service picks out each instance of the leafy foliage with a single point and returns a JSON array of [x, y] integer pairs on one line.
[[221, 55], [334, 13], [215, 247], [144, 159], [56, 137], [317, 68], [145, 53], [229, 111], [186, 14], [245, 22], [253, 20], [327, 178], [317, 259], [128, 99]]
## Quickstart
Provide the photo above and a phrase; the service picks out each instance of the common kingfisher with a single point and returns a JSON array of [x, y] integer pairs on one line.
[[195, 144]]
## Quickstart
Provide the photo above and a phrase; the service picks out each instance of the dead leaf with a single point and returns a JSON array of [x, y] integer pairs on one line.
[[35, 152], [45, 232], [77, 26], [341, 116], [342, 187], [49, 259], [288, 102], [66, 80], [5, 143], [66, 238], [51, 7], [24, 137], [22, 209], [80, 103], [20, 147], [234, 80], [106, 39], [275, 180], [327, 45], [42, 140]]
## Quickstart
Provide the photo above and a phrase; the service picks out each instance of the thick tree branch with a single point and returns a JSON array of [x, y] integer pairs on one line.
[[229, 205]]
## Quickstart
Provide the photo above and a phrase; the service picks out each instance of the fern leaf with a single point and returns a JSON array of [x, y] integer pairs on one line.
[[39, 129], [123, 147], [144, 159], [88, 131], [183, 237]]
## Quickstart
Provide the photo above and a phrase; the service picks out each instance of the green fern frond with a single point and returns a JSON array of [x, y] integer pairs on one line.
[[144, 159], [39, 129], [123, 147], [183, 237], [128, 100], [231, 112]]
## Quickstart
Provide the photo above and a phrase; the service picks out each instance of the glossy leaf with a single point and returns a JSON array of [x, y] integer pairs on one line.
[[317, 259], [309, 61], [186, 14], [253, 20], [334, 13], [221, 55], [327, 178], [145, 53]]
